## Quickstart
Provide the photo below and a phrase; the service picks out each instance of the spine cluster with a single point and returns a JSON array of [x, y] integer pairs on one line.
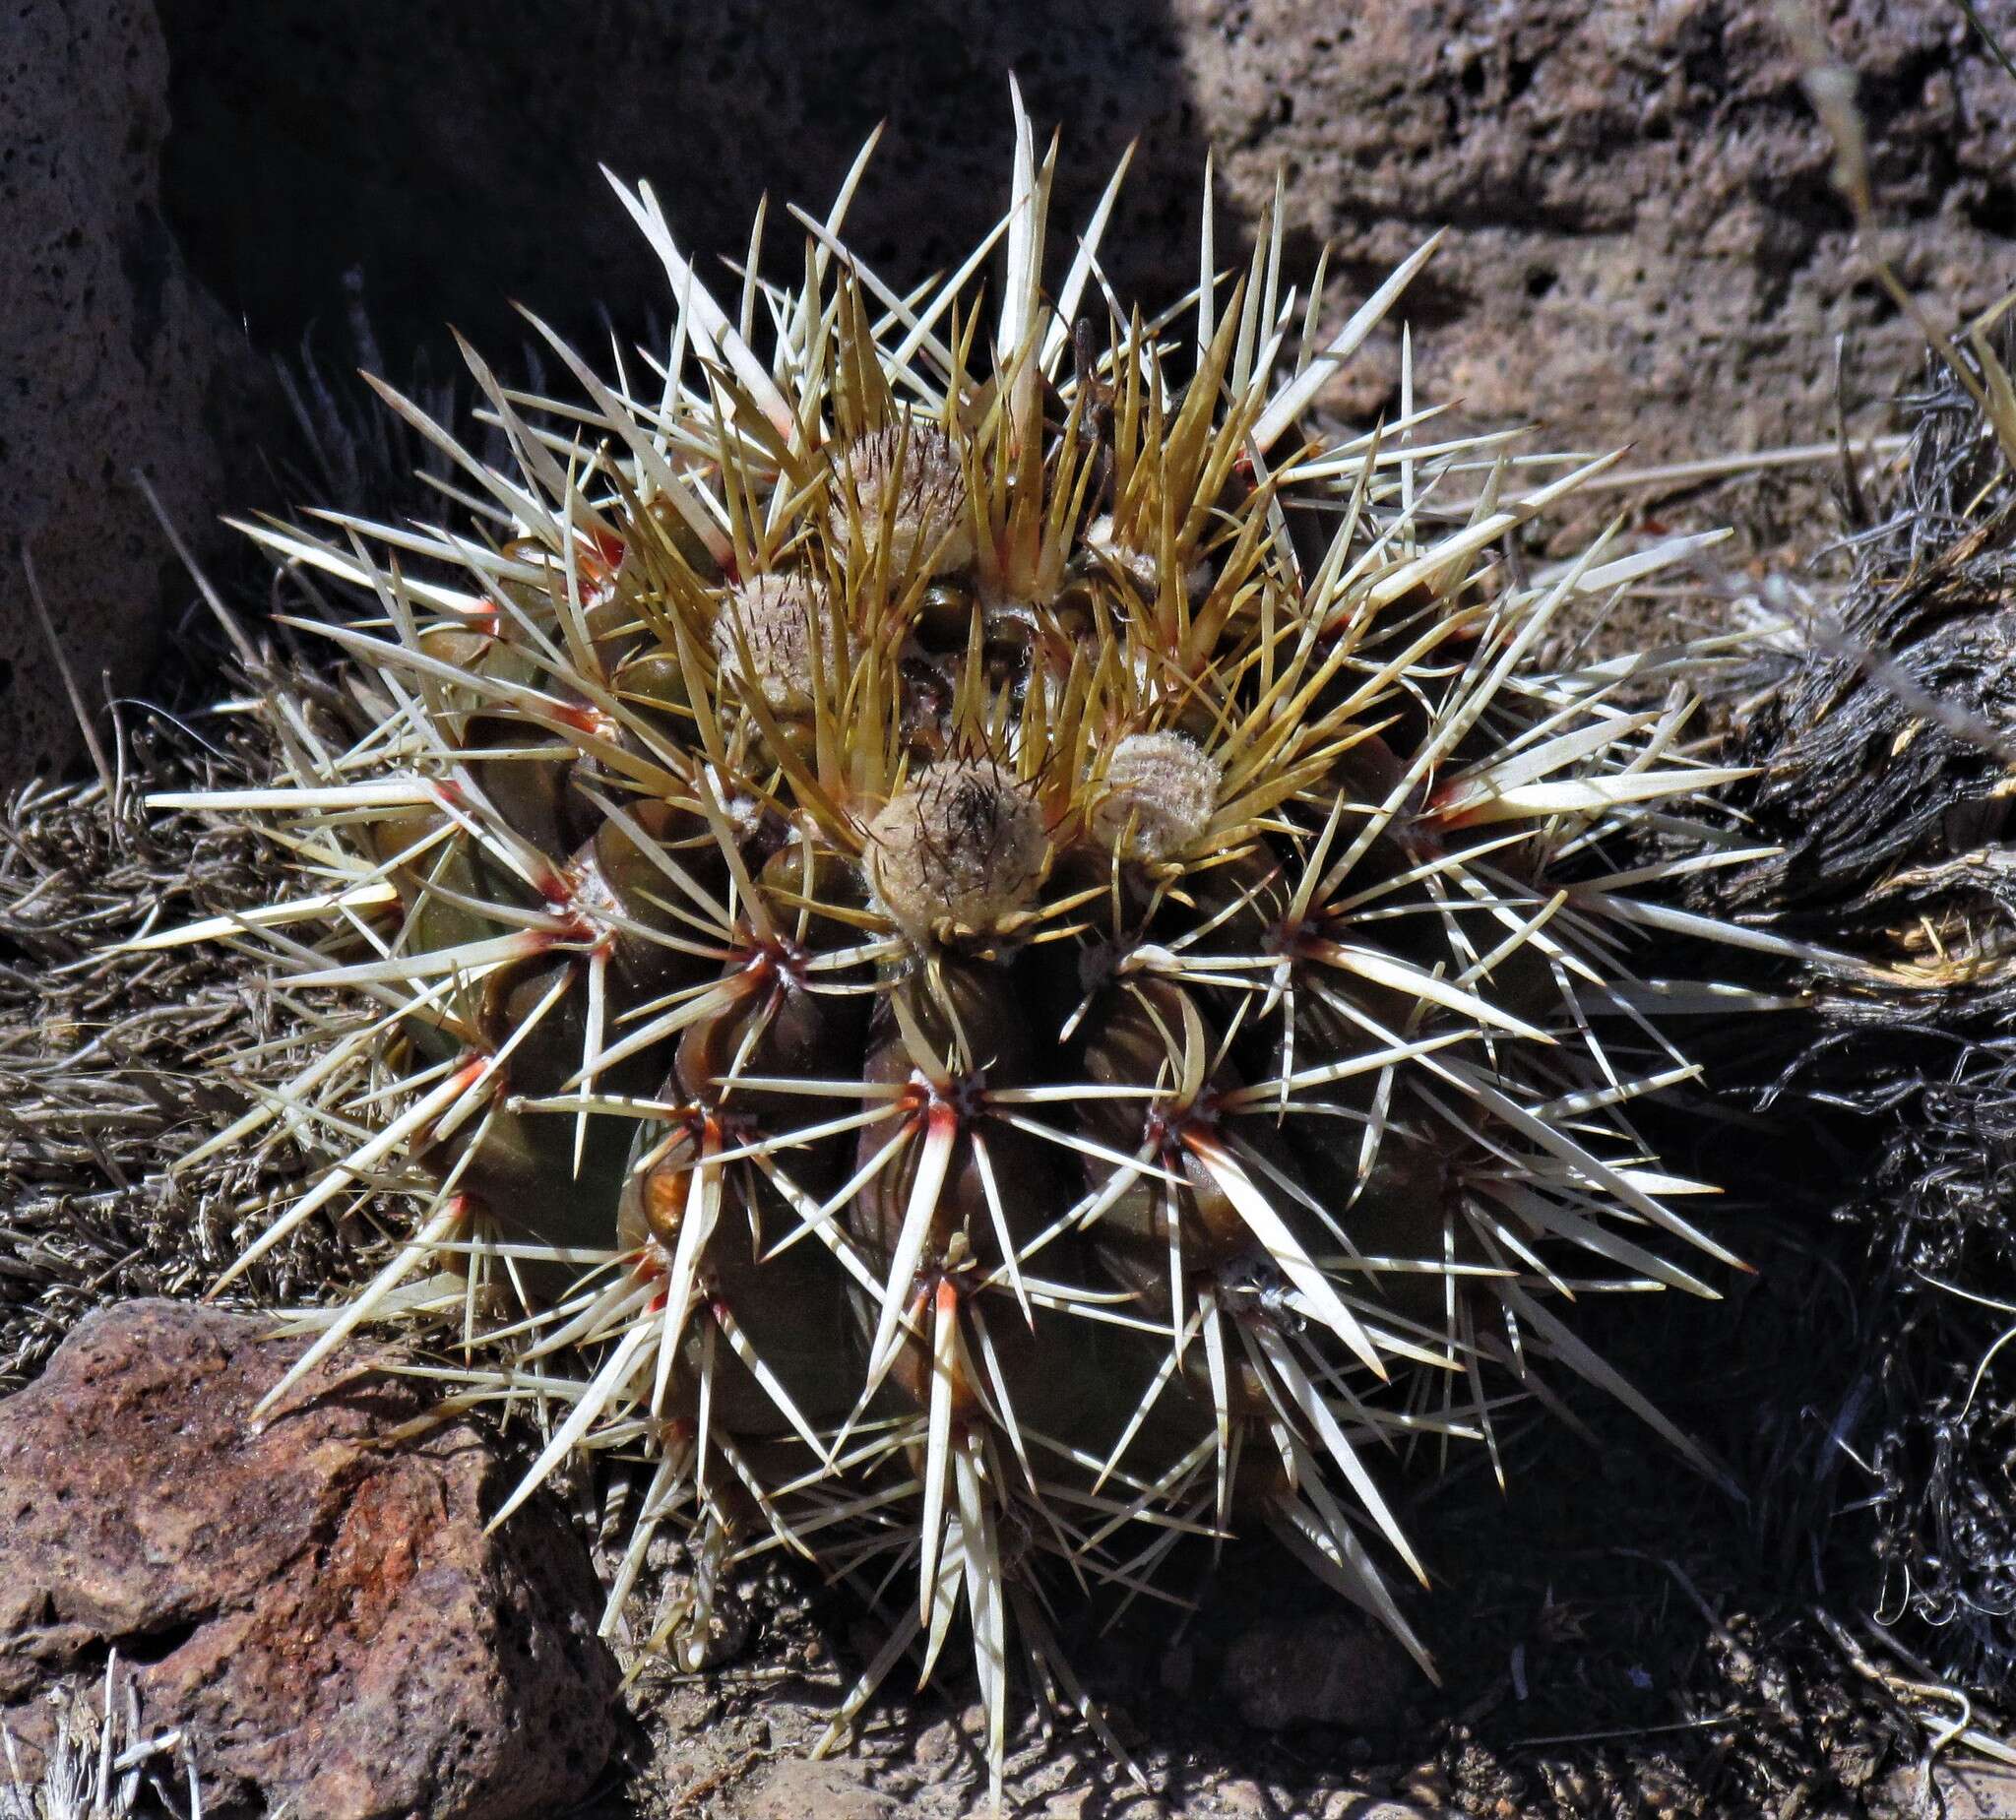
[[977, 948]]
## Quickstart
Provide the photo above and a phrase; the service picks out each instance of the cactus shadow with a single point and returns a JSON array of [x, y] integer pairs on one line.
[[441, 161]]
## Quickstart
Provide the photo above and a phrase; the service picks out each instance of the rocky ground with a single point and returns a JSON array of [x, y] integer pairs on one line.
[[1644, 248], [1618, 1635]]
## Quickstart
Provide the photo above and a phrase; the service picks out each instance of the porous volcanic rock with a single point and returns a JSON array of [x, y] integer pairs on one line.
[[112, 360], [312, 1596], [1645, 244], [1645, 247]]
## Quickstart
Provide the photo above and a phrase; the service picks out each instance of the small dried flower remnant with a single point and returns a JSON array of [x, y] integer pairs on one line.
[[1161, 790], [962, 848], [903, 497], [764, 637]]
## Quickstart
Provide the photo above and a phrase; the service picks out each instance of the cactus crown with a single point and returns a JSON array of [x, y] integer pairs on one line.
[[988, 960]]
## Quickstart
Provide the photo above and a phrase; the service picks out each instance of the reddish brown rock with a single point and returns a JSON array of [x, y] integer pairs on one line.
[[318, 1603]]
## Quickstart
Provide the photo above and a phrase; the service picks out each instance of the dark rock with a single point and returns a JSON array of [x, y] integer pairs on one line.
[[111, 359], [448, 156], [1332, 1670], [314, 1598], [1645, 248]]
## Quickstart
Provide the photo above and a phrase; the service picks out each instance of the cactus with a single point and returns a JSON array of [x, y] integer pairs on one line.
[[974, 945]]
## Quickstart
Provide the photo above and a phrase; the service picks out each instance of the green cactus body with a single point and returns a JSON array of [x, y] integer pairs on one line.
[[990, 961]]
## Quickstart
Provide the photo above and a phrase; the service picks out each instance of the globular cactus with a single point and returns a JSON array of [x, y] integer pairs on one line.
[[974, 946]]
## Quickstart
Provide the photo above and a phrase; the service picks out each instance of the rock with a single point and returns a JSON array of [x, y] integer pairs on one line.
[[315, 138], [794, 1789], [1969, 1790], [1331, 1669], [111, 359], [1645, 247], [1079, 1803], [318, 1603]]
